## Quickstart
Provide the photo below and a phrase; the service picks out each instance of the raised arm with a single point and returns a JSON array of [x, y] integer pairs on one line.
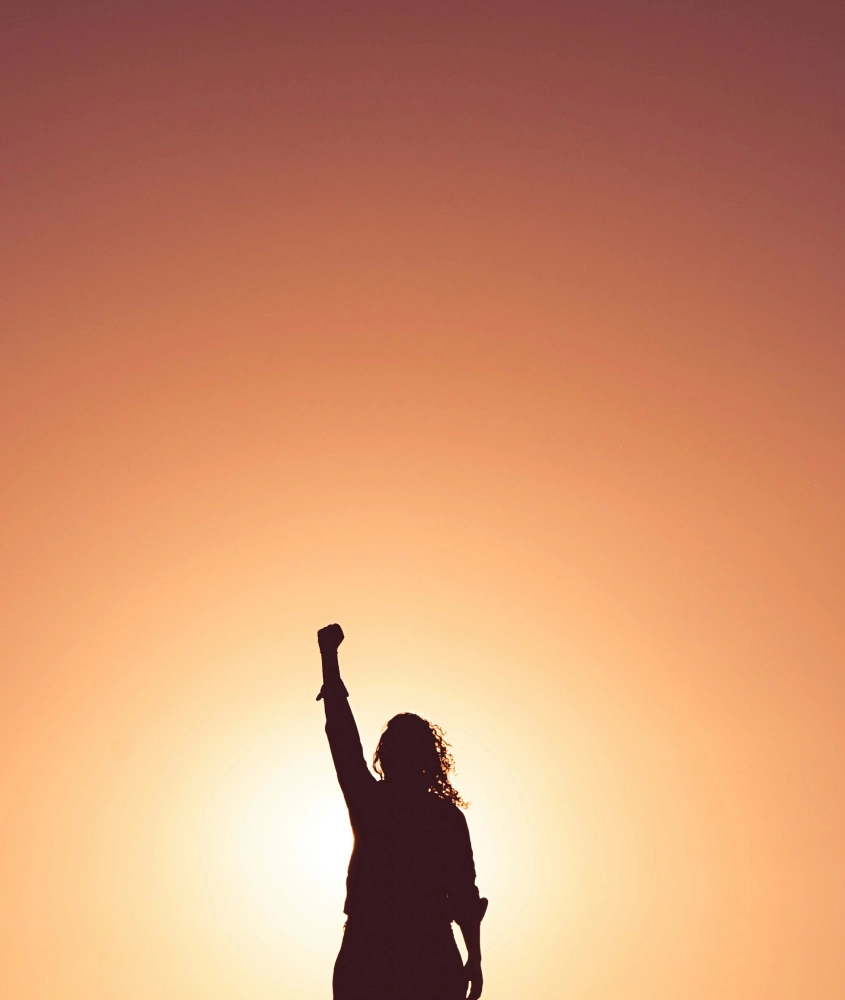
[[352, 772]]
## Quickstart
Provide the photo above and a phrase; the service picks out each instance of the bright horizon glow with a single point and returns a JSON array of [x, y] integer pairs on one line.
[[279, 838]]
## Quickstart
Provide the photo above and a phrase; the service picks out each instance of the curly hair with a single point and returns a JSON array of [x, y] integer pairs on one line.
[[413, 739]]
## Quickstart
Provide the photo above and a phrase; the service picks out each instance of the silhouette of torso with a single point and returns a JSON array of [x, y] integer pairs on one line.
[[411, 873], [412, 857]]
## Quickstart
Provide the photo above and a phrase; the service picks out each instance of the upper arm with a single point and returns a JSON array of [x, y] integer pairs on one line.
[[353, 775], [463, 892]]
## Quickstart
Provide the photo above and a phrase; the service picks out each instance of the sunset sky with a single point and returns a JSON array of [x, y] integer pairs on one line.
[[508, 335]]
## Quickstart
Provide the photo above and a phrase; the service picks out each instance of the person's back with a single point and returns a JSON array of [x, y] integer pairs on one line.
[[411, 856], [411, 872]]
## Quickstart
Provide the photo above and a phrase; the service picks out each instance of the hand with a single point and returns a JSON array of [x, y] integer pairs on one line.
[[329, 638], [474, 978]]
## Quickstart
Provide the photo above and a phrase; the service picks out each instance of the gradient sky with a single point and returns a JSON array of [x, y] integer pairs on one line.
[[508, 335]]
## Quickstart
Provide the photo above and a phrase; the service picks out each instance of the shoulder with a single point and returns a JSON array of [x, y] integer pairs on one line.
[[447, 812]]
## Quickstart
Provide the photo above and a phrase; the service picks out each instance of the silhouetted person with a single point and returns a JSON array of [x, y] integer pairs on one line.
[[411, 872]]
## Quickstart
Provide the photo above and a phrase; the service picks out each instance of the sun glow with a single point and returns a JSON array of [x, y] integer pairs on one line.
[[325, 841], [283, 842]]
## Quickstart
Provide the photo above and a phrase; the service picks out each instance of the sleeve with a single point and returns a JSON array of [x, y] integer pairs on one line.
[[464, 901], [353, 775]]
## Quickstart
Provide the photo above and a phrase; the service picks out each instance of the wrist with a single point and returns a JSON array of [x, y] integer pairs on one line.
[[333, 688]]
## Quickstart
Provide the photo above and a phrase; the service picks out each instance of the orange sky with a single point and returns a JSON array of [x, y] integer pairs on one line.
[[510, 337]]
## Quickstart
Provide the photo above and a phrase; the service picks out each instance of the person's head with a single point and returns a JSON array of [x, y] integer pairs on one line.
[[413, 753]]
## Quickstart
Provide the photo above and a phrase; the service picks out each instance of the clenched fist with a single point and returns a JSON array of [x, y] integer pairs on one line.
[[329, 638]]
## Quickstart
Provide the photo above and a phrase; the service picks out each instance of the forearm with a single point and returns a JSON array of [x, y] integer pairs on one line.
[[331, 666], [471, 931], [340, 723], [331, 675]]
